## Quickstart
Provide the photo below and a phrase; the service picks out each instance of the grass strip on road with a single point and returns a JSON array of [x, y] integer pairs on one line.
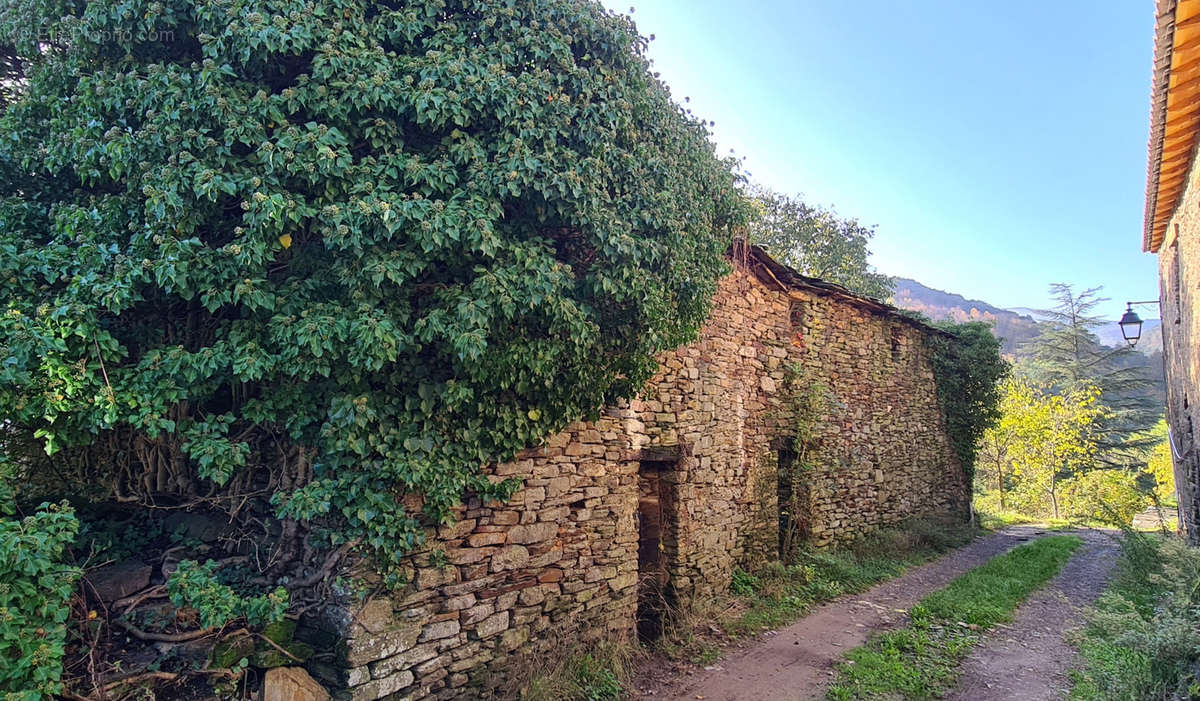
[[921, 660]]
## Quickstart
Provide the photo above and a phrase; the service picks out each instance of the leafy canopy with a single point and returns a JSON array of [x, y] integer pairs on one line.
[[1041, 440], [337, 249], [817, 242]]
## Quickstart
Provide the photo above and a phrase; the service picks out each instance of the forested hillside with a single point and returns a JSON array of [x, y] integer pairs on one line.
[[1015, 327]]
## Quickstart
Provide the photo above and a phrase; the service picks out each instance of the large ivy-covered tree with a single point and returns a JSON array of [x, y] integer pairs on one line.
[[337, 251]]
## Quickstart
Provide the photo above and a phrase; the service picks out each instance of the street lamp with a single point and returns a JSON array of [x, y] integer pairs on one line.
[[1131, 323], [1131, 326]]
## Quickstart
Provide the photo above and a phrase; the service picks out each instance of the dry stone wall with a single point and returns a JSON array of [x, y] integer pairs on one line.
[[559, 563]]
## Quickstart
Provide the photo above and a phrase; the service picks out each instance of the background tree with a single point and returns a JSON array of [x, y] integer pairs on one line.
[[1159, 465], [998, 443], [335, 251], [1067, 356], [817, 242], [1047, 438]]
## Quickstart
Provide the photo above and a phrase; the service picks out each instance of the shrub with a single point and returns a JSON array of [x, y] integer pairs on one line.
[[197, 586], [35, 586], [1106, 496], [343, 250], [599, 673], [1142, 640]]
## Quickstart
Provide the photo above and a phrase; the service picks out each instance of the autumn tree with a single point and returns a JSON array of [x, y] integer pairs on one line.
[[1159, 464], [1041, 439], [817, 242]]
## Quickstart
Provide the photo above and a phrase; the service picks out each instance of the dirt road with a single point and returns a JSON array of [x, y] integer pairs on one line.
[[797, 662], [1028, 659]]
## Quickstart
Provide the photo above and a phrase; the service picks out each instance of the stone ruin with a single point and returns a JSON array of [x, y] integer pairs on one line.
[[657, 502]]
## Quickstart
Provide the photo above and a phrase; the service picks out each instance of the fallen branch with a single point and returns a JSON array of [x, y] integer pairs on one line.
[[326, 568], [130, 602], [164, 637]]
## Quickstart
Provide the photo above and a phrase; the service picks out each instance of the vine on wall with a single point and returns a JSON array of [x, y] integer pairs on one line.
[[806, 403], [968, 369]]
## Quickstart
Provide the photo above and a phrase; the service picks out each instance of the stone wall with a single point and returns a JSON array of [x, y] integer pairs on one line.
[[1179, 280], [559, 563]]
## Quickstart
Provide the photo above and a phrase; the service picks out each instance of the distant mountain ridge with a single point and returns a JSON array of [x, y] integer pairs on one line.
[[1015, 327]]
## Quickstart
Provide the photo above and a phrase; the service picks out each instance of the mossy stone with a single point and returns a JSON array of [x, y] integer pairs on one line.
[[266, 656], [228, 652], [280, 632]]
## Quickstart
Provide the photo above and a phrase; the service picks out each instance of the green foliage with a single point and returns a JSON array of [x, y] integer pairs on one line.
[[346, 249], [988, 594], [1159, 464], [817, 242], [743, 583], [1041, 440], [1067, 356], [1042, 458], [35, 587], [197, 586], [968, 370], [920, 661], [1110, 496], [806, 403], [1142, 640]]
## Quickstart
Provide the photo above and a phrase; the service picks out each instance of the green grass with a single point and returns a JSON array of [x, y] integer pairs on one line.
[[921, 660], [1142, 640], [601, 673], [779, 594], [995, 519]]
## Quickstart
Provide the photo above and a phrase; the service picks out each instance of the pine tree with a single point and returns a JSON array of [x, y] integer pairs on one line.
[[1068, 356]]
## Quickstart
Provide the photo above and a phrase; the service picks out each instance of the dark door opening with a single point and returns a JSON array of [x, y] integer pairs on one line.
[[792, 493], [655, 517]]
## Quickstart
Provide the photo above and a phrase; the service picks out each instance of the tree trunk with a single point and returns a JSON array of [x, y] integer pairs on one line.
[[1054, 493]]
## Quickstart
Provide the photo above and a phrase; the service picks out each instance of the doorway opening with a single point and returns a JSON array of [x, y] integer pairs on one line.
[[656, 525], [792, 493]]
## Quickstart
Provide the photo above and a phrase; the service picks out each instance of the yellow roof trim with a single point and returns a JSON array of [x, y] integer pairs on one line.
[[1174, 114]]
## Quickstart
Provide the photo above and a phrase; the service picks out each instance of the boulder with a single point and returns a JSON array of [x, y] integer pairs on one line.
[[292, 684], [119, 580]]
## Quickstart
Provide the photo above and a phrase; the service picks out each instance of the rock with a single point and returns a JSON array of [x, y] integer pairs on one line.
[[119, 580], [533, 533], [292, 684], [375, 616], [439, 630], [492, 625], [510, 558]]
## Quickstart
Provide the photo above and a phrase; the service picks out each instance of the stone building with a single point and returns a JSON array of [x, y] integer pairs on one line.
[[658, 501], [1172, 230]]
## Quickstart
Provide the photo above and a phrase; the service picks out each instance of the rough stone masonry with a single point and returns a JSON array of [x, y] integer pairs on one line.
[[658, 501]]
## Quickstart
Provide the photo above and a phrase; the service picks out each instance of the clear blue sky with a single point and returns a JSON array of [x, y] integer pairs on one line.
[[998, 147]]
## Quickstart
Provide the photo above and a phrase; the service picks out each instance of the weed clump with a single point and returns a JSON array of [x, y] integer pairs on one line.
[[1142, 640]]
